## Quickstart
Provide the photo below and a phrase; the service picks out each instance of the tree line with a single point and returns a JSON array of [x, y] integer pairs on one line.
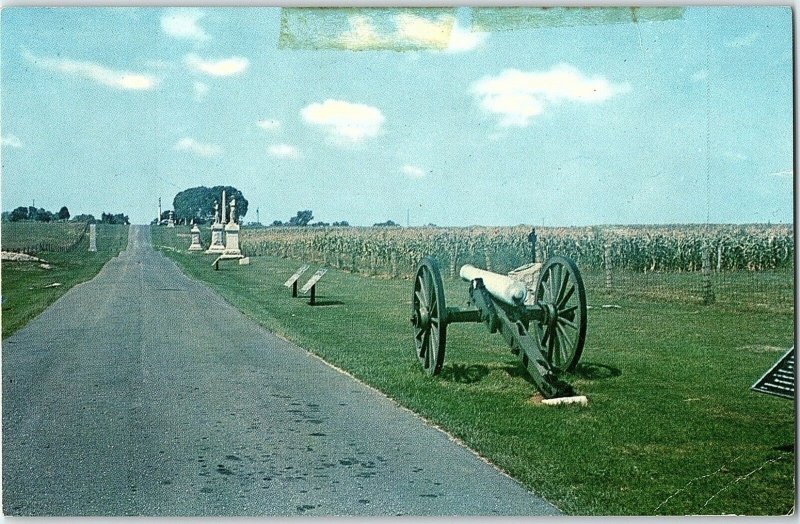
[[33, 214]]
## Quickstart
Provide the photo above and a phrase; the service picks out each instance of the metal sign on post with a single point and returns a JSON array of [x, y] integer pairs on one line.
[[311, 285], [292, 282], [779, 380]]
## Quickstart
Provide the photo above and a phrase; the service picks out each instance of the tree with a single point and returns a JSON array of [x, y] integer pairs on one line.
[[277, 223], [302, 218], [63, 213], [20, 213], [388, 223], [197, 203], [84, 218], [110, 218], [343, 223]]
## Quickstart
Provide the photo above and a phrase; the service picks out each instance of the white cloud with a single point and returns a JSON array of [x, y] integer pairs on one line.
[[223, 67], [412, 171], [344, 121], [462, 39], [283, 151], [518, 96], [198, 148], [182, 23], [269, 124], [699, 76], [200, 91], [744, 40], [423, 31], [11, 141], [442, 33], [95, 72]]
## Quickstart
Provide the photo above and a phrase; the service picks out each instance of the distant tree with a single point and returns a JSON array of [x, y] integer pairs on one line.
[[20, 213], [6, 216], [343, 223], [320, 224], [277, 223], [63, 213], [302, 218], [84, 218], [43, 215], [197, 203], [110, 218], [388, 223]]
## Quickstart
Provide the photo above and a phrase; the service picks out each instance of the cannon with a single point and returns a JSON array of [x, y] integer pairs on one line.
[[547, 334]]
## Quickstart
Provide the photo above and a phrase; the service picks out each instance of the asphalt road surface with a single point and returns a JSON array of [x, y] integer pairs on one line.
[[142, 392]]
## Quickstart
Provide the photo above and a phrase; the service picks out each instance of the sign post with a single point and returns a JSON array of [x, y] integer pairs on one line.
[[292, 282], [311, 285]]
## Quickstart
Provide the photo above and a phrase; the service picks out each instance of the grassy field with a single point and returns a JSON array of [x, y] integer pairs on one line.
[[671, 427], [26, 286]]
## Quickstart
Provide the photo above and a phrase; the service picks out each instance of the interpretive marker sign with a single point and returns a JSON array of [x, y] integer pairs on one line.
[[779, 380], [311, 285]]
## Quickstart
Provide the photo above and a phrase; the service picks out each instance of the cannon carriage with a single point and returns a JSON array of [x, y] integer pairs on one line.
[[546, 331]]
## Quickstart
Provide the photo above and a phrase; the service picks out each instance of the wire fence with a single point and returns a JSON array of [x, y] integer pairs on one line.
[[741, 266], [34, 238]]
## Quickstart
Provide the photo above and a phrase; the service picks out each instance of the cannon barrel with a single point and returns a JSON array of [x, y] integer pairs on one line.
[[501, 287]]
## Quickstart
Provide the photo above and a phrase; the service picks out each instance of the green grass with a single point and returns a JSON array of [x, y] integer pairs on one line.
[[671, 426], [24, 284]]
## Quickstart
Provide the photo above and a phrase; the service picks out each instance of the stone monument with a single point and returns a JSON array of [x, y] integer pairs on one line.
[[217, 228], [196, 245], [93, 238], [232, 235]]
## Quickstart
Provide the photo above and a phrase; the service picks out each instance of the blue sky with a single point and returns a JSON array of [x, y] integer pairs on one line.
[[451, 115]]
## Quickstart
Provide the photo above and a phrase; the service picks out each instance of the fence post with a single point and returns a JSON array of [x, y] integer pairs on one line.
[[608, 265], [708, 290]]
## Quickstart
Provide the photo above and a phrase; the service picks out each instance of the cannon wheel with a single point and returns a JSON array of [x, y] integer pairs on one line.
[[562, 331], [429, 316]]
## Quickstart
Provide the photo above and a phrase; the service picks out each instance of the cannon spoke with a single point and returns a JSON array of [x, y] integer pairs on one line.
[[420, 297], [563, 302], [423, 347], [564, 348], [564, 322], [562, 289]]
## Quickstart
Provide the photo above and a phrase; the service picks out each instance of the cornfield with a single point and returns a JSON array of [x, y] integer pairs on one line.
[[397, 251], [38, 237]]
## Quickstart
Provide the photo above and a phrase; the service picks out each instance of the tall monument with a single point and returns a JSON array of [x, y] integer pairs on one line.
[[232, 235], [217, 231]]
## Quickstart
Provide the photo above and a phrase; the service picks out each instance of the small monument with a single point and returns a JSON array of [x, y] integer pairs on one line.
[[217, 244], [232, 235], [171, 221], [196, 245], [93, 238]]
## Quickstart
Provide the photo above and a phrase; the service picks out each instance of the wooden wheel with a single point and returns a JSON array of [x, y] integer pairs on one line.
[[561, 332], [429, 316]]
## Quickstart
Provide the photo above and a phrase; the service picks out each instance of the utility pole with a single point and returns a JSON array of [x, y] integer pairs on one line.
[[258, 220], [408, 217]]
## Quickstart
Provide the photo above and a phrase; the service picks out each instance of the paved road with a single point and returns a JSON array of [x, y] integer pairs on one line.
[[142, 392]]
